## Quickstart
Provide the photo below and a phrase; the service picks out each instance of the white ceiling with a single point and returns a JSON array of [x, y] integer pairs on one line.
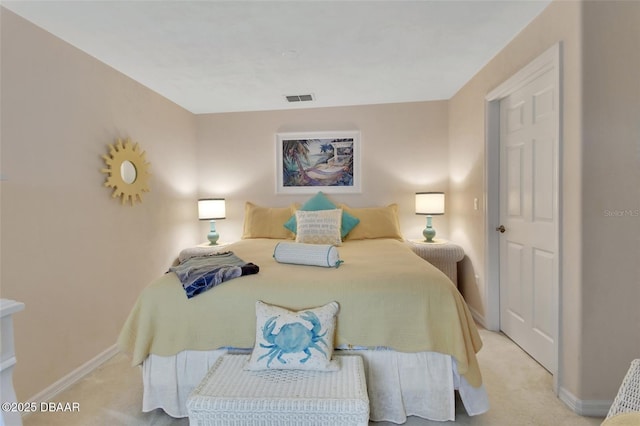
[[213, 56]]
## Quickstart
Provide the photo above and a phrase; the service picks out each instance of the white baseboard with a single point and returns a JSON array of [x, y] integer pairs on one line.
[[478, 317], [67, 381], [588, 408]]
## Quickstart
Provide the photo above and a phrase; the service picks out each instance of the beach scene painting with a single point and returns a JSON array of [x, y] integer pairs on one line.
[[311, 162]]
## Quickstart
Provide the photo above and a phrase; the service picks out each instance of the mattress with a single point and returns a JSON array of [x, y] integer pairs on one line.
[[388, 297]]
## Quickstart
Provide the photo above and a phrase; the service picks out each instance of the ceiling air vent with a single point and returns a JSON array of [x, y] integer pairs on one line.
[[299, 98]]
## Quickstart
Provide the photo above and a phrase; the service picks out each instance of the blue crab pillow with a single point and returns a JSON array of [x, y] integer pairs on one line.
[[288, 340]]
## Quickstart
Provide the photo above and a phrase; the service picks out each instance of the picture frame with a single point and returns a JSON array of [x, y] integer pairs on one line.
[[308, 162]]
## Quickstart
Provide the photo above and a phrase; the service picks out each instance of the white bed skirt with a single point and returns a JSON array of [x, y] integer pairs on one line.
[[399, 384]]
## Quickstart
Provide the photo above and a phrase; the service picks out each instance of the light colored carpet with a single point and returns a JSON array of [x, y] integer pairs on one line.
[[520, 393]]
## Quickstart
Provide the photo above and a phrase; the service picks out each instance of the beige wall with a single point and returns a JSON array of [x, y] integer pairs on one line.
[[560, 22], [611, 188], [404, 150], [71, 253], [600, 169]]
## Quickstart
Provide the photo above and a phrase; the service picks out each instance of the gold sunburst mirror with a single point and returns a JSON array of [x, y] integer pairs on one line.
[[128, 171]]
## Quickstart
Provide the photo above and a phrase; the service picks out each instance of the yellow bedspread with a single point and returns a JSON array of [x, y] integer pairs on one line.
[[388, 297]]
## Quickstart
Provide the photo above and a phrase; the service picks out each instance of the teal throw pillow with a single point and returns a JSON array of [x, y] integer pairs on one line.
[[321, 202]]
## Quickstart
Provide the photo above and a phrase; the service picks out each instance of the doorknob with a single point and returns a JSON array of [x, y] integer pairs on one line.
[[501, 228]]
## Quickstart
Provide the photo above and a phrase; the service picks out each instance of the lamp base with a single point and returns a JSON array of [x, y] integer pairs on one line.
[[213, 235], [428, 232]]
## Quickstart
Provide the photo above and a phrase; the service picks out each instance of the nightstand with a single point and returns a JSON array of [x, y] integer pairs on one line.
[[219, 245], [442, 254], [202, 249]]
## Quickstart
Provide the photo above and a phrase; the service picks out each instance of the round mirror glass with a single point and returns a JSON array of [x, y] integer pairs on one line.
[[128, 172]]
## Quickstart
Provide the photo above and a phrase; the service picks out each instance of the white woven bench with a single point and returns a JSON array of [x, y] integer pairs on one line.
[[228, 395], [626, 406]]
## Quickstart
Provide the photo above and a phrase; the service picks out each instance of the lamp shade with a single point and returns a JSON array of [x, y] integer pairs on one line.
[[211, 209], [430, 203]]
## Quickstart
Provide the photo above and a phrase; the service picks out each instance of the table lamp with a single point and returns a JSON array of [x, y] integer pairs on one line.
[[429, 203], [212, 209]]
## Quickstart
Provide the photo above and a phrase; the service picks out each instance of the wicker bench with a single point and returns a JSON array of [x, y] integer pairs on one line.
[[626, 405], [229, 395]]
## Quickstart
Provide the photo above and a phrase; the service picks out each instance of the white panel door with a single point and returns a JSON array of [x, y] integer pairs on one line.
[[528, 212]]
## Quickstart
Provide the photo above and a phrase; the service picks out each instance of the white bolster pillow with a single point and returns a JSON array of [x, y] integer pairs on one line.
[[307, 254]]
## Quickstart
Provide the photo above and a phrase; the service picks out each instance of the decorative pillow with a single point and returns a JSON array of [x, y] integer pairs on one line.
[[321, 202], [319, 227], [375, 222], [266, 222], [307, 254], [288, 340]]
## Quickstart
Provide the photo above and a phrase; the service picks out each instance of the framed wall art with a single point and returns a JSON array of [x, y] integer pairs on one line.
[[309, 162]]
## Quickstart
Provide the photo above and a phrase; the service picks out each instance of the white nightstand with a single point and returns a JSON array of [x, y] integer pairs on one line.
[[202, 249], [219, 245], [442, 254]]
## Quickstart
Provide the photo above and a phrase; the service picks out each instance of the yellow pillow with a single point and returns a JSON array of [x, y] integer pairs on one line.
[[267, 222], [375, 222]]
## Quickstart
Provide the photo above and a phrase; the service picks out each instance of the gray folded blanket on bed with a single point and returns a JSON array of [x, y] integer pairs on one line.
[[199, 274]]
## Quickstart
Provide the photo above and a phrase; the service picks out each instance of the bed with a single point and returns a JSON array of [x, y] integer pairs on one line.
[[401, 314]]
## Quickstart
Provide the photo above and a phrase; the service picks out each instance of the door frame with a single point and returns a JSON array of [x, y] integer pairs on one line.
[[549, 60]]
